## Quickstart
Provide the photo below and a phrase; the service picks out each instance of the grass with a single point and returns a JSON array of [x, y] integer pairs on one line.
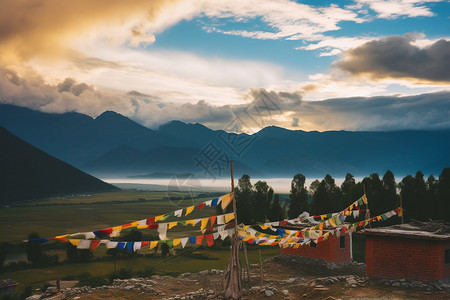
[[49, 218], [217, 259]]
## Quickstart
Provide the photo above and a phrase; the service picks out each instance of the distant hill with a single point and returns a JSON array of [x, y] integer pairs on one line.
[[79, 139], [29, 173], [113, 145]]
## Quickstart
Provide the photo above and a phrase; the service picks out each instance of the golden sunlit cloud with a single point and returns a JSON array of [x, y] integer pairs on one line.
[[46, 27]]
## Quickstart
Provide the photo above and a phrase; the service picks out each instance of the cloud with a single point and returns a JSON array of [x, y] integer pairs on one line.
[[286, 19], [262, 108], [391, 9], [43, 27], [398, 57], [421, 112]]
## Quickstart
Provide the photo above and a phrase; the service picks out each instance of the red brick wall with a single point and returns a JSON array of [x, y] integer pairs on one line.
[[329, 250], [406, 258]]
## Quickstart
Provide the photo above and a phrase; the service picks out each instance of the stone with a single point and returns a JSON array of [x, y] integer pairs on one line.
[[268, 293], [285, 292], [128, 288], [34, 297], [396, 284]]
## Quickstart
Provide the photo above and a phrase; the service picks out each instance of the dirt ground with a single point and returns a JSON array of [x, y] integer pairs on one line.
[[302, 281]]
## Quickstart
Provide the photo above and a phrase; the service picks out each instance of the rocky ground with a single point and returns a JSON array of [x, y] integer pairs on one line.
[[284, 277]]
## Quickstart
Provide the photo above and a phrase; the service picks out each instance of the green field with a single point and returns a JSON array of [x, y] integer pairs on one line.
[[57, 216]]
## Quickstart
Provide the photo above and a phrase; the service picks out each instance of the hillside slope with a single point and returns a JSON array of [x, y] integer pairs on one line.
[[29, 173]]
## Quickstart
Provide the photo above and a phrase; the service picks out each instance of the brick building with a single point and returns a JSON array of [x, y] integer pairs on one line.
[[334, 249], [418, 251]]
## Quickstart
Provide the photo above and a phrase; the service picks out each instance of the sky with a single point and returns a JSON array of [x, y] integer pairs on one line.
[[234, 65]]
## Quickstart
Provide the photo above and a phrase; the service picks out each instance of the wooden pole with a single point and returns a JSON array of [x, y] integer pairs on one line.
[[401, 207], [233, 289], [260, 267], [247, 264], [234, 199]]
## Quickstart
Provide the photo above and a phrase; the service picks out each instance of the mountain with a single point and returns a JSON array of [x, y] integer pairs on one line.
[[29, 173], [113, 145], [79, 139]]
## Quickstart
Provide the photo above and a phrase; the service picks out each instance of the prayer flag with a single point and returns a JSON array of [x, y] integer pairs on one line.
[[172, 224], [189, 210], [226, 199], [74, 242], [153, 244], [209, 239], [94, 244]]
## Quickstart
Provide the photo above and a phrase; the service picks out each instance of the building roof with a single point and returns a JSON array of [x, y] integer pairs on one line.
[[6, 283], [415, 229]]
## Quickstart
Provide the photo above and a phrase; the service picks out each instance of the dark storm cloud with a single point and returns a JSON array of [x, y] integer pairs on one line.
[[397, 57]]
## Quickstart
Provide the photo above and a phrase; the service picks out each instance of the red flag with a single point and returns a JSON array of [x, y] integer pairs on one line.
[[199, 239], [200, 206], [94, 244], [209, 239]]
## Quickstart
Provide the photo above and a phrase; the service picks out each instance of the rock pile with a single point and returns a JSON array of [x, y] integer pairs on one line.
[[414, 284], [134, 284]]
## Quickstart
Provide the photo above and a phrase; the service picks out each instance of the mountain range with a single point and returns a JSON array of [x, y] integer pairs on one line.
[[112, 145], [29, 173]]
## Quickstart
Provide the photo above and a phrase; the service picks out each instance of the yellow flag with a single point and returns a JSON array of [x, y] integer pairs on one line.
[[264, 227], [192, 222], [153, 244], [204, 223], [142, 226], [229, 217], [321, 226], [245, 227], [400, 212], [247, 238], [61, 236], [364, 198], [159, 218], [176, 242], [173, 224], [297, 246], [332, 222], [74, 242], [226, 199], [189, 210], [117, 228]]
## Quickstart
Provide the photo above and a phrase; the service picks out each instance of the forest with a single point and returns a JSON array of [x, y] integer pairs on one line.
[[422, 198]]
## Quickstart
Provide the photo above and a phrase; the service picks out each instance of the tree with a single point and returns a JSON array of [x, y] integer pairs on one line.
[[348, 188], [276, 212], [262, 200], [298, 196], [314, 186], [431, 198], [443, 191], [243, 194], [411, 198], [327, 197], [33, 249]]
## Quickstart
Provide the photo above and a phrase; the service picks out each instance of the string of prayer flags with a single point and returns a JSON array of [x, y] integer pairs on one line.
[[115, 231], [161, 227]]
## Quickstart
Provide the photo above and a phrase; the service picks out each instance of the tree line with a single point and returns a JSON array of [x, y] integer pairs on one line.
[[422, 199]]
